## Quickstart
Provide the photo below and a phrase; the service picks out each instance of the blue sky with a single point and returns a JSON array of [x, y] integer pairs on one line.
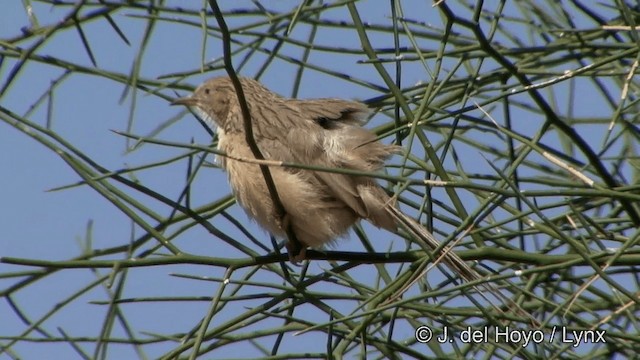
[[38, 224], [53, 225]]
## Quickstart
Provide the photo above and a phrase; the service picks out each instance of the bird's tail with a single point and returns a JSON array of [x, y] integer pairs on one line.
[[446, 255], [429, 244]]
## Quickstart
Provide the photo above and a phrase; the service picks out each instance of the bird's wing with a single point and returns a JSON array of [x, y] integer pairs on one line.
[[326, 111], [332, 128], [328, 134]]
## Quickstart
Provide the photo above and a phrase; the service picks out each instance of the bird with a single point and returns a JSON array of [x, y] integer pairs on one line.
[[320, 206]]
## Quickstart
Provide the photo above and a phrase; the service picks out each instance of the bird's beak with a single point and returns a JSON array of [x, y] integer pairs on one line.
[[186, 101]]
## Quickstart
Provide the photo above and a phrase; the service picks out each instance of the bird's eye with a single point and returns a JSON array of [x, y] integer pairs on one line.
[[206, 91]]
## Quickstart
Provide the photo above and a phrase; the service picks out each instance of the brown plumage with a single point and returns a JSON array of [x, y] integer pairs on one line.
[[321, 206]]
